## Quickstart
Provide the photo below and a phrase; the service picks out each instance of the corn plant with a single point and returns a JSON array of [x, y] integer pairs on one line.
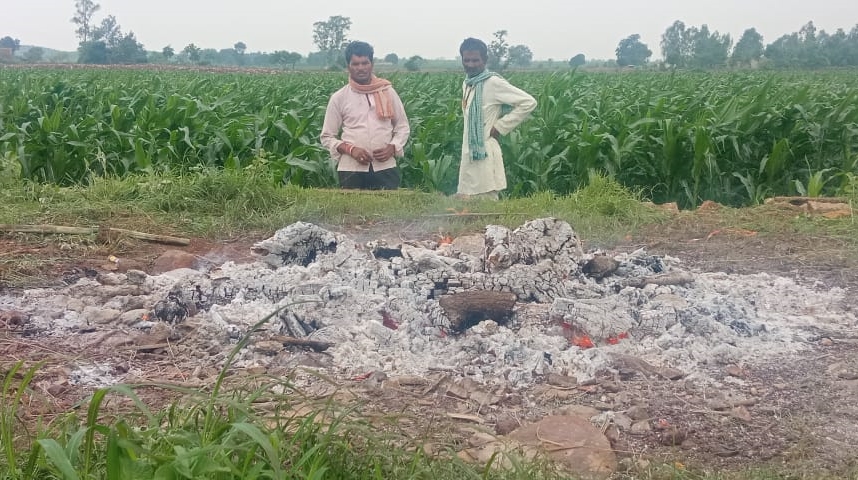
[[733, 137]]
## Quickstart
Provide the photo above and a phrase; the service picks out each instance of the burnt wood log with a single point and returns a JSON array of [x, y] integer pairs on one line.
[[467, 309], [600, 266]]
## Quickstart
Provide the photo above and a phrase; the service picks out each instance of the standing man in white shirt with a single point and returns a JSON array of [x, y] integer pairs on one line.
[[492, 107], [365, 126]]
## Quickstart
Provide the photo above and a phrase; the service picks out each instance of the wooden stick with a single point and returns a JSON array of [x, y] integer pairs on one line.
[[468, 214], [152, 237], [59, 229], [302, 342], [807, 199]]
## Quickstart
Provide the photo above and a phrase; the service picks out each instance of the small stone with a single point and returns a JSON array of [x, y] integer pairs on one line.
[[13, 318], [624, 422], [741, 413], [100, 315], [58, 389], [673, 436], [577, 410], [826, 342], [671, 373], [562, 381], [172, 260], [638, 412], [611, 387], [640, 428], [505, 424]]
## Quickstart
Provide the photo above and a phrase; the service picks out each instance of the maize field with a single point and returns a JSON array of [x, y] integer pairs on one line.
[[731, 137]]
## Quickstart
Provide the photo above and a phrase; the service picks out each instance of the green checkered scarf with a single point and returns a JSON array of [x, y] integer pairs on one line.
[[476, 136]]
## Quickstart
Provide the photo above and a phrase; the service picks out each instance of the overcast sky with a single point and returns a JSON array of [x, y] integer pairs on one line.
[[432, 29]]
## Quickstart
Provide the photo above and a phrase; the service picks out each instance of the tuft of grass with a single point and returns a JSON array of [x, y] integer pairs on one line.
[[222, 203]]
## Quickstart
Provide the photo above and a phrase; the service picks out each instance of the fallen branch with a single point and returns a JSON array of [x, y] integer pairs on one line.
[[468, 214], [303, 342], [143, 348], [802, 200], [59, 229], [465, 416]]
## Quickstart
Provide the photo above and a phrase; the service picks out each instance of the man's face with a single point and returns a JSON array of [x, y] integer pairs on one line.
[[360, 69], [473, 62]]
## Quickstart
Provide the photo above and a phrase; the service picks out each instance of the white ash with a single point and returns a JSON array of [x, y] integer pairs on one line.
[[331, 289], [96, 375]]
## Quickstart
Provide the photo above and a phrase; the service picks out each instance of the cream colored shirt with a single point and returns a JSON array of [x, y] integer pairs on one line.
[[353, 114], [487, 175]]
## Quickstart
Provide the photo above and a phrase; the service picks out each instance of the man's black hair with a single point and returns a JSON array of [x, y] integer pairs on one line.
[[359, 49], [474, 45]]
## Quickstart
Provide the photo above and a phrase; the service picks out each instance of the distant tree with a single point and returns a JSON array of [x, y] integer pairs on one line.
[[631, 51], [34, 54], [107, 44], [835, 48], [676, 45], [282, 57], [224, 56], [317, 59], [109, 31], [798, 49], [785, 51], [127, 51], [392, 58], [852, 47], [193, 52], [748, 49], [84, 11], [577, 60], [92, 52], [331, 37], [811, 48], [293, 58], [240, 48], [210, 56], [11, 43], [413, 63], [520, 55], [498, 52], [709, 49], [168, 52]]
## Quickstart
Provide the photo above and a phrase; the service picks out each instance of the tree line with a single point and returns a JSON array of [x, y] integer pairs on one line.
[[698, 47], [682, 46]]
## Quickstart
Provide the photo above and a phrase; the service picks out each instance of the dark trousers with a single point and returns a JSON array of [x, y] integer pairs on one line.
[[387, 179]]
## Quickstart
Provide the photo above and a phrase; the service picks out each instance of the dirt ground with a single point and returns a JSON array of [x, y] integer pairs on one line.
[[799, 412]]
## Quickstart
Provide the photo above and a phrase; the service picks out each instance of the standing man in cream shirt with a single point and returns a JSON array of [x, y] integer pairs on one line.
[[365, 126], [492, 107]]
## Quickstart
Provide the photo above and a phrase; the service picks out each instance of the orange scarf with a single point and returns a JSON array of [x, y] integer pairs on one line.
[[379, 88]]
